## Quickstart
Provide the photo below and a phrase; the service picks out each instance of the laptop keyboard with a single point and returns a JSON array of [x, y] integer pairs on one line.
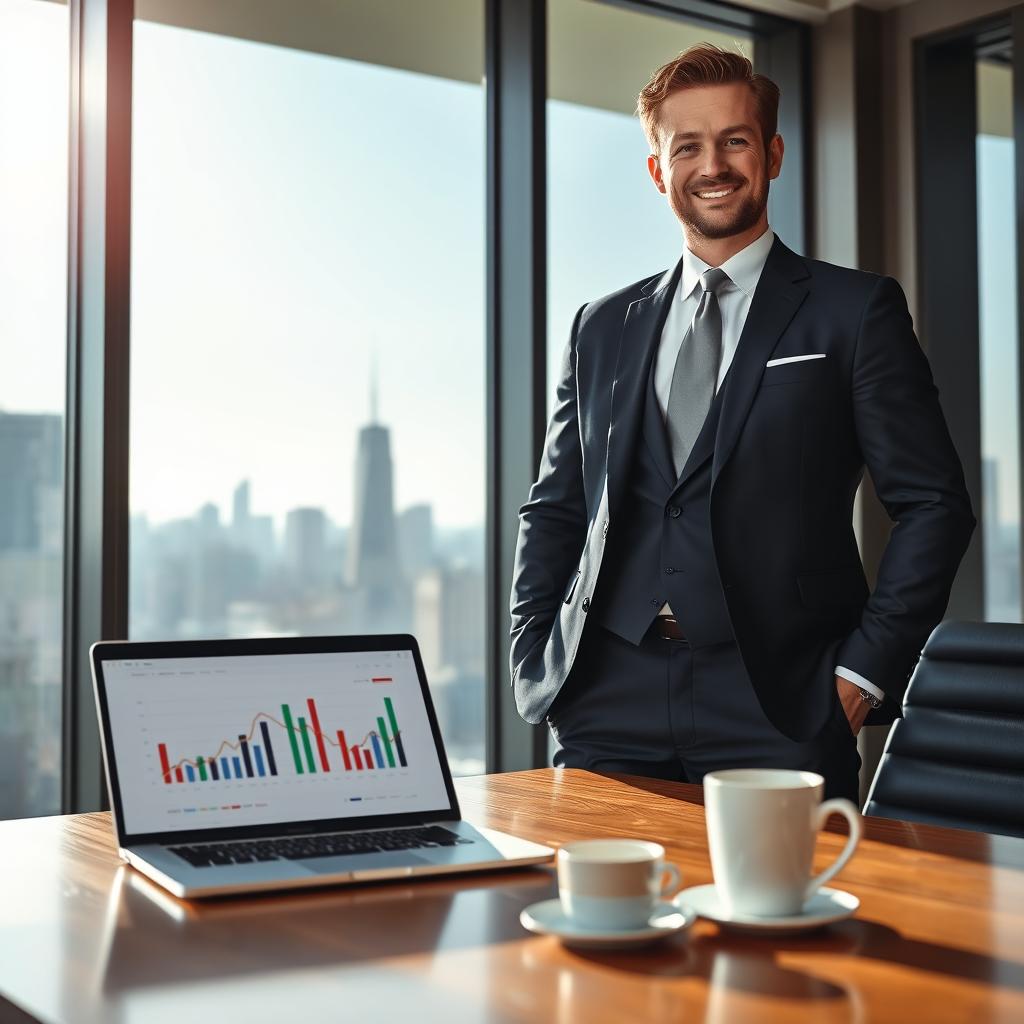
[[304, 847]]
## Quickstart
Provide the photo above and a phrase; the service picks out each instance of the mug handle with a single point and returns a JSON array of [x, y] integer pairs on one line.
[[674, 878], [852, 815]]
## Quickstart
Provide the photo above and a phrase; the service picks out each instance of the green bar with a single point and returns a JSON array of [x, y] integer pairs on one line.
[[291, 736], [306, 744], [391, 716], [202, 767], [387, 743], [396, 735]]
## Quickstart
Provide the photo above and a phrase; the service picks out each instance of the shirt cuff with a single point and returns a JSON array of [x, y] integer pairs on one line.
[[858, 680]]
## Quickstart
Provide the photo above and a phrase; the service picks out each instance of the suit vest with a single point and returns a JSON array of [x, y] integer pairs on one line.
[[659, 546]]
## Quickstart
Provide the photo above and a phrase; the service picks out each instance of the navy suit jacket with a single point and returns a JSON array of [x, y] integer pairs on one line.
[[792, 444]]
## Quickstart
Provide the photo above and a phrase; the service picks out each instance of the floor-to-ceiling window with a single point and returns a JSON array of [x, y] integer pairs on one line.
[[307, 330], [969, 322], [997, 340], [33, 305]]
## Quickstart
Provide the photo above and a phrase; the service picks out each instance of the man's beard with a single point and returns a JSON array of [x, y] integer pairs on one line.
[[712, 226]]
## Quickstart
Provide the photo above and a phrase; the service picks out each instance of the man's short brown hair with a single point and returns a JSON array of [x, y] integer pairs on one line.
[[706, 64]]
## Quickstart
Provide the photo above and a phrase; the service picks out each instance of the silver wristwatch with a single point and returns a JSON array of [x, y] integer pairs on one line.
[[869, 698]]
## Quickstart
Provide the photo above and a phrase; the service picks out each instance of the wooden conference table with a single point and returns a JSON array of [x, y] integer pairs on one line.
[[939, 935]]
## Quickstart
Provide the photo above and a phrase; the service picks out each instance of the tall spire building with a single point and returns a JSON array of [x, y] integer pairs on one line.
[[373, 563]]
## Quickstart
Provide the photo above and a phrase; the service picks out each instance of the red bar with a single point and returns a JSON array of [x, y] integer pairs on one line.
[[368, 755], [344, 751], [359, 760], [381, 679], [165, 765], [315, 719], [178, 775]]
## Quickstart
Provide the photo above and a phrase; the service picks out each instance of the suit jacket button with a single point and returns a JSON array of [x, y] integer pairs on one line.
[[674, 511], [586, 604]]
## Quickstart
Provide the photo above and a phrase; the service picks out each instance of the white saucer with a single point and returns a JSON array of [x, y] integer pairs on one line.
[[547, 918], [824, 907]]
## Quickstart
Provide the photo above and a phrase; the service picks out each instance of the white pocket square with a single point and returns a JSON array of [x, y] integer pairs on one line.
[[794, 359]]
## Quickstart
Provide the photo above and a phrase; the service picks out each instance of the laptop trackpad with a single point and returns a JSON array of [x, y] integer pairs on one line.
[[361, 862]]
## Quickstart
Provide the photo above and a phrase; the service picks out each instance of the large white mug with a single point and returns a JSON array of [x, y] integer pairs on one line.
[[613, 883], [762, 827]]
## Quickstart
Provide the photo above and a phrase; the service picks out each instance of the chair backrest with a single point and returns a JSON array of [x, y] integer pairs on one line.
[[957, 756]]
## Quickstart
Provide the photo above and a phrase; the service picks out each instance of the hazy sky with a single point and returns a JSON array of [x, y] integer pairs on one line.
[[294, 213], [33, 204]]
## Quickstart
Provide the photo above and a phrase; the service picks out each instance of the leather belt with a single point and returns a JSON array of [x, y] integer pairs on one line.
[[669, 628]]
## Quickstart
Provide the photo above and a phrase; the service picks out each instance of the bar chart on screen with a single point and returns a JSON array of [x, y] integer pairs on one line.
[[251, 754], [263, 740]]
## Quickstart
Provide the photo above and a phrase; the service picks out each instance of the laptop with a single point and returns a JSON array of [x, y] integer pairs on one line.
[[236, 766]]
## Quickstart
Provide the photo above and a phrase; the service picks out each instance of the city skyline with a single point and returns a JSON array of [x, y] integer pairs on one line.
[[389, 571]]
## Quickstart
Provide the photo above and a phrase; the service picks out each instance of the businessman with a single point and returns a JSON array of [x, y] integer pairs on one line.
[[688, 593]]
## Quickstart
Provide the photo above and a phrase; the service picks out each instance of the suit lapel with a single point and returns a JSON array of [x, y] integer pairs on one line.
[[655, 432], [776, 299], [638, 343]]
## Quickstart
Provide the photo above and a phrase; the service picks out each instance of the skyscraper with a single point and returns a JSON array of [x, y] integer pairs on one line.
[[31, 468], [305, 544], [416, 539], [240, 511], [381, 600], [373, 563]]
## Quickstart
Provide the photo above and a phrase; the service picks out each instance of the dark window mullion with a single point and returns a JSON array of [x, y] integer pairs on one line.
[[515, 70], [96, 530]]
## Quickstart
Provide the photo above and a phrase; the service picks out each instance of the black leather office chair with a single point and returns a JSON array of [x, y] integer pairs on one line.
[[957, 756]]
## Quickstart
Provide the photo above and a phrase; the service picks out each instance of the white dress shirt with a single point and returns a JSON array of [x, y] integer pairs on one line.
[[734, 297]]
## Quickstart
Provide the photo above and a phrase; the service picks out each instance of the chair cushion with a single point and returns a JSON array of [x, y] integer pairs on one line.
[[957, 756], [955, 796]]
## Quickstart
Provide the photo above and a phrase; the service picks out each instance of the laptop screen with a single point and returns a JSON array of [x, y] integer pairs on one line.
[[224, 741]]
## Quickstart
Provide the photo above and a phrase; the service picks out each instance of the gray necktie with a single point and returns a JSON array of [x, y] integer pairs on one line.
[[696, 372]]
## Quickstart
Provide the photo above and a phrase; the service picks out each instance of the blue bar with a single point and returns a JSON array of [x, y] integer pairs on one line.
[[238, 767], [191, 774], [258, 754], [376, 750], [224, 768]]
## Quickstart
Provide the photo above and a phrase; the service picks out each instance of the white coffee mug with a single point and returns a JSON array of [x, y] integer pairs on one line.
[[613, 883], [762, 827]]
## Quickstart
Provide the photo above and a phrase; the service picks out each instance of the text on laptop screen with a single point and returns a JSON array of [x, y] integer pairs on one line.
[[257, 740]]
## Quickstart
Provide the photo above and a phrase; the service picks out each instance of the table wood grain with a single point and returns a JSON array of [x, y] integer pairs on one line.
[[939, 935]]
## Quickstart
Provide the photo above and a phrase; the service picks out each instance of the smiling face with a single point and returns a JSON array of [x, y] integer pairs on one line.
[[713, 167]]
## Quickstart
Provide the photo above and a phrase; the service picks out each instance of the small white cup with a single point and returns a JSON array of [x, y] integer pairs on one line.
[[613, 883], [762, 827]]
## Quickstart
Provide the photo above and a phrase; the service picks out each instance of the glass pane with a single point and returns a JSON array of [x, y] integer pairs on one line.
[[33, 319], [997, 307], [607, 224], [307, 452]]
